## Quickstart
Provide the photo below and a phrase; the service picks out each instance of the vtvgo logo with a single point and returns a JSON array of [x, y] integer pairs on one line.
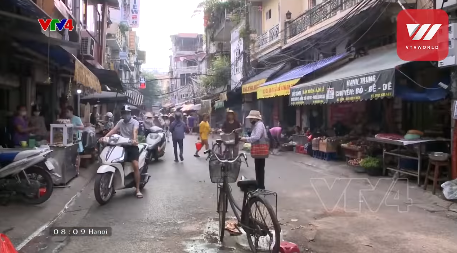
[[422, 35], [56, 25]]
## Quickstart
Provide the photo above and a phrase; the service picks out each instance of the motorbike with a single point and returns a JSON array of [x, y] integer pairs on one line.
[[114, 173], [27, 173], [157, 141]]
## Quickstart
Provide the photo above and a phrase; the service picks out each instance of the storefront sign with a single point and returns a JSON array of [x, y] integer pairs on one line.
[[371, 86], [252, 86], [132, 40], [277, 89], [134, 13]]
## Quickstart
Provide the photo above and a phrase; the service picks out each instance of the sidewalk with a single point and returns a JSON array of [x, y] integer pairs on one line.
[[19, 221], [325, 207], [332, 209]]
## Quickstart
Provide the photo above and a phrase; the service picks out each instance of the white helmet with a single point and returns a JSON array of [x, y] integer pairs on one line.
[[109, 114]]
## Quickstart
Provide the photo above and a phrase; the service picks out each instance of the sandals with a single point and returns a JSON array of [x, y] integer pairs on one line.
[[139, 195]]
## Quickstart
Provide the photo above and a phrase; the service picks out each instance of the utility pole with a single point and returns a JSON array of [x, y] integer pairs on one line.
[[246, 41]]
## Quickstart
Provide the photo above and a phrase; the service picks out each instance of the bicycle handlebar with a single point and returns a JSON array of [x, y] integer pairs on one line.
[[229, 161]]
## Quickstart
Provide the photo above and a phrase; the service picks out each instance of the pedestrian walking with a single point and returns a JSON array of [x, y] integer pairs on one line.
[[259, 146], [178, 129], [204, 130]]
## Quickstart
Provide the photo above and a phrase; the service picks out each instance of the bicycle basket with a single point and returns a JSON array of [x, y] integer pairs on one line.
[[228, 139], [216, 172]]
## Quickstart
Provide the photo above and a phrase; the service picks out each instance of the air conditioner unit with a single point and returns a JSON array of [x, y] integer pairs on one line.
[[87, 47]]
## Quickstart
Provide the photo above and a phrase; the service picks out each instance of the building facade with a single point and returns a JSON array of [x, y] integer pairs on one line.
[[185, 66]]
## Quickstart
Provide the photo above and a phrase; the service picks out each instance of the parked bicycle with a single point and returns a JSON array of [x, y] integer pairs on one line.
[[260, 235], [229, 141]]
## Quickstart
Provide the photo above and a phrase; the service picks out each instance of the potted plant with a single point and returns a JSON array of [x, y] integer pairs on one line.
[[373, 166]]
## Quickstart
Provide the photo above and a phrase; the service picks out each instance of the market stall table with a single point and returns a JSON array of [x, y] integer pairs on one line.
[[403, 145]]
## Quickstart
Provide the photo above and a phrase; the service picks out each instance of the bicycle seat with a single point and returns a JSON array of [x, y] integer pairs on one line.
[[219, 141], [246, 185]]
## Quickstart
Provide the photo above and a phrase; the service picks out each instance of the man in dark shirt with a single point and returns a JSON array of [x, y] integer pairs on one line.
[[229, 125]]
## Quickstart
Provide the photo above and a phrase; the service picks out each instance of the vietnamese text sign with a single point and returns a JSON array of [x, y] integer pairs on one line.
[[370, 86]]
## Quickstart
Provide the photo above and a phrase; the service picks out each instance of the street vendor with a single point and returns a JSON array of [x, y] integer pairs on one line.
[[37, 123], [21, 126], [78, 125]]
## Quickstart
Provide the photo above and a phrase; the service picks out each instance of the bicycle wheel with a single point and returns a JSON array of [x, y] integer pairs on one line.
[[260, 235], [222, 210], [217, 149]]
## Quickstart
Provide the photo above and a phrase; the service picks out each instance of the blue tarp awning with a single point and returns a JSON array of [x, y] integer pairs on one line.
[[431, 94], [29, 8], [303, 70], [56, 53]]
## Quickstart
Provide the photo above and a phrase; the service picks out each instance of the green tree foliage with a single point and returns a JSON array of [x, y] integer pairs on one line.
[[152, 92], [219, 75], [214, 11]]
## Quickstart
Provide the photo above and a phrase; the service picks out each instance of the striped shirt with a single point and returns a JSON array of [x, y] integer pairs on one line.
[[258, 131]]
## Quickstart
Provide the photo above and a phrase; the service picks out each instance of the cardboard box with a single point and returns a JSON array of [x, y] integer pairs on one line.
[[327, 146], [315, 144]]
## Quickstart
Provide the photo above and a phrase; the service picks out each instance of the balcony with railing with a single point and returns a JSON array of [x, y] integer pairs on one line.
[[317, 18], [115, 39], [268, 37]]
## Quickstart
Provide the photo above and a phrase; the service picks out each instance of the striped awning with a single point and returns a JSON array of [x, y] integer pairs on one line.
[[134, 97]]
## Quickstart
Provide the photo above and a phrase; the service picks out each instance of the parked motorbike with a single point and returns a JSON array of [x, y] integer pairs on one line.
[[27, 173], [114, 173], [157, 141]]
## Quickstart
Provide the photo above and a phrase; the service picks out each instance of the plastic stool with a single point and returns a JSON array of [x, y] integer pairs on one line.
[[288, 247], [437, 168]]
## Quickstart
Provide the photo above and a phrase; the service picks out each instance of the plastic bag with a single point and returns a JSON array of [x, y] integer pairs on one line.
[[450, 189], [247, 147], [6, 246]]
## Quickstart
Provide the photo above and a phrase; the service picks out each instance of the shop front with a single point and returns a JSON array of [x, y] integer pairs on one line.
[[274, 94], [371, 109]]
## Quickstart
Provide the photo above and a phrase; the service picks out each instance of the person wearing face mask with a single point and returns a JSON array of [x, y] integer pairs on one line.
[[258, 132], [78, 125], [37, 121], [128, 128], [21, 126]]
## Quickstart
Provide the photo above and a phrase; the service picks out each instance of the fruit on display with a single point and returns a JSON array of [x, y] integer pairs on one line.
[[355, 162]]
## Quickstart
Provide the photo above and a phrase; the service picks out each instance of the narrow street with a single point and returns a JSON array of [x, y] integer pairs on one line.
[[178, 213]]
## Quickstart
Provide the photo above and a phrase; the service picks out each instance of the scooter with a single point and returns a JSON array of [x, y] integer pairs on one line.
[[157, 141], [17, 166], [114, 173]]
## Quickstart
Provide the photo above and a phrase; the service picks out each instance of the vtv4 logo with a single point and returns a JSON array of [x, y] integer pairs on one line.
[[55, 24], [412, 28]]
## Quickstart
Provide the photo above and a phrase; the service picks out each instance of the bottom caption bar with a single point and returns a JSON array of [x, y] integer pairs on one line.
[[80, 231]]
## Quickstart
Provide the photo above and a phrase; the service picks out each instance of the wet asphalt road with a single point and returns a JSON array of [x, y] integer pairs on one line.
[[177, 213]]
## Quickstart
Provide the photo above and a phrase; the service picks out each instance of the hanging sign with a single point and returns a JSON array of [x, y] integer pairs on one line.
[[366, 87], [142, 83], [134, 13]]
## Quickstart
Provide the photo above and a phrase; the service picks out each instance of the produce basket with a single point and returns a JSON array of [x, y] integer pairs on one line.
[[217, 172], [352, 152]]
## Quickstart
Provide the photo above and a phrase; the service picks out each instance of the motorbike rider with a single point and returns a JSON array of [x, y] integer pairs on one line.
[[158, 121], [128, 128], [148, 121], [166, 126]]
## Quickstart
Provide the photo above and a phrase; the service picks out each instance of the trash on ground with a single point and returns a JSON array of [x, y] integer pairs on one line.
[[450, 189], [232, 228]]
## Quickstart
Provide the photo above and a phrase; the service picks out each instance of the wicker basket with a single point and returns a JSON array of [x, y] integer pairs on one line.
[[216, 172], [228, 139]]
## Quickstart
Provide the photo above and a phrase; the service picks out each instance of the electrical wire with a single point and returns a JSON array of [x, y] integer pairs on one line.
[[340, 22]]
